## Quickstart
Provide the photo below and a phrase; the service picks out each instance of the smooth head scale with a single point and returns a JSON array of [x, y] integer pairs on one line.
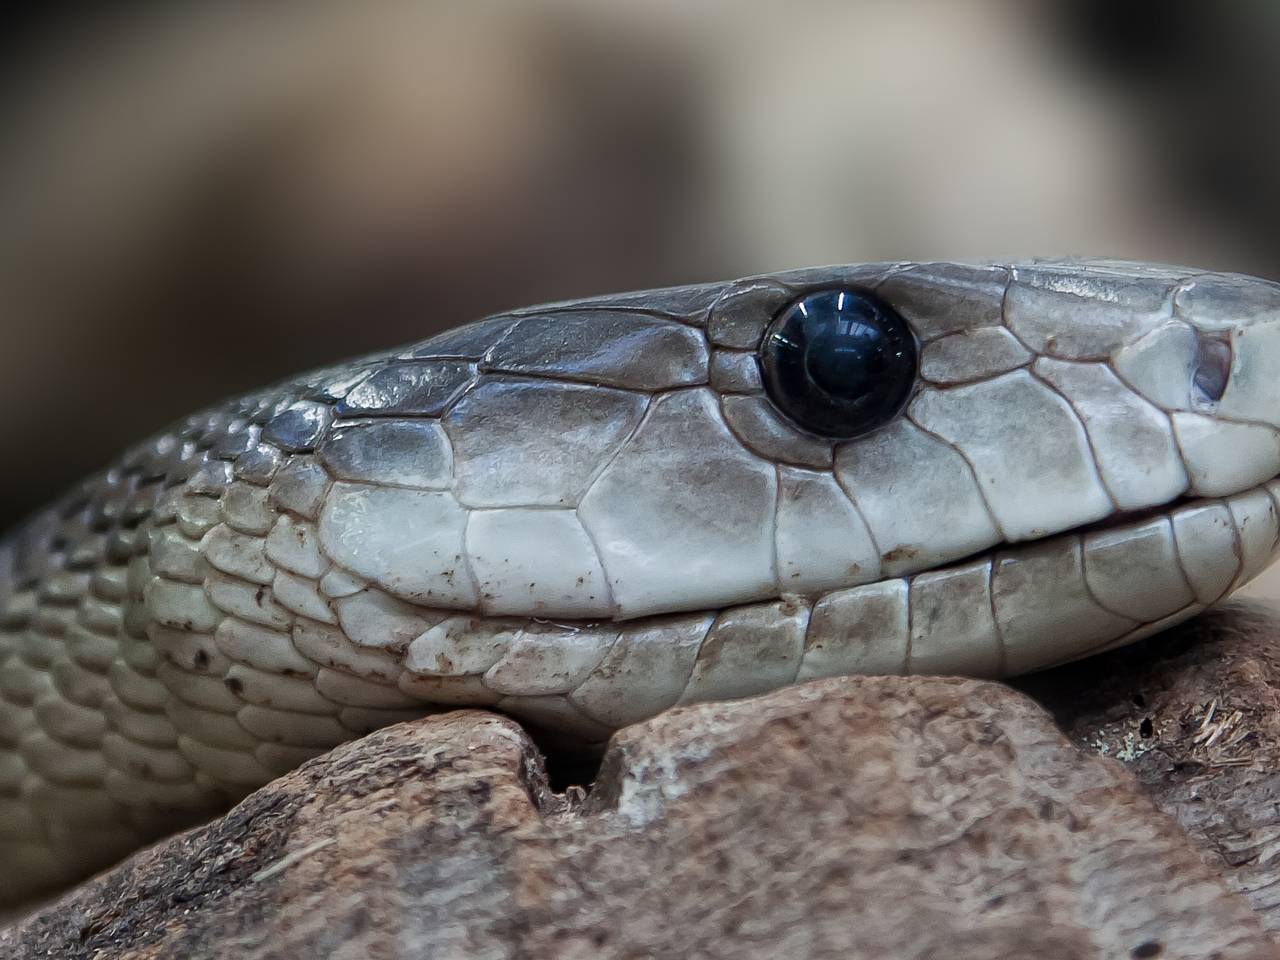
[[584, 513]]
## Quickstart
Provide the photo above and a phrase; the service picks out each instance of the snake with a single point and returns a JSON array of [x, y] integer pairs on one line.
[[584, 513]]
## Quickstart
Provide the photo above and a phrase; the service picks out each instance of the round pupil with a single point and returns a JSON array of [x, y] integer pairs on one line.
[[843, 355], [839, 363]]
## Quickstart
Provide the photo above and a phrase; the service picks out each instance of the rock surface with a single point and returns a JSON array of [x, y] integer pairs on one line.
[[877, 817]]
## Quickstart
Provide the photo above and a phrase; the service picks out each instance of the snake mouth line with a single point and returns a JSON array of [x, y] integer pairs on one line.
[[1123, 518], [1114, 522], [1233, 553], [1243, 560]]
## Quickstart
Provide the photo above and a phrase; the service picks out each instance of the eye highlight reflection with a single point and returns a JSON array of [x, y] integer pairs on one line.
[[839, 363]]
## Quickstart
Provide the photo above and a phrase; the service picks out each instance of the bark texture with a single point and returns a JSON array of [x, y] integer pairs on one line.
[[856, 818]]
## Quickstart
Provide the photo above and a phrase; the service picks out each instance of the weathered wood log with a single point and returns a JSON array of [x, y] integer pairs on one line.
[[851, 818], [1194, 713]]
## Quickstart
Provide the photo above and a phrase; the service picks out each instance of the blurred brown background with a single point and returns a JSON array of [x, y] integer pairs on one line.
[[199, 198]]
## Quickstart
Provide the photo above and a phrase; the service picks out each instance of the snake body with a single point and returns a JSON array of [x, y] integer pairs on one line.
[[583, 513]]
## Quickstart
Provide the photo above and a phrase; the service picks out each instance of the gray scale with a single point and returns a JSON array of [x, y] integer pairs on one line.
[[408, 388], [617, 349]]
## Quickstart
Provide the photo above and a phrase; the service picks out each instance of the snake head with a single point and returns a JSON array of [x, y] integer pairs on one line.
[[629, 457]]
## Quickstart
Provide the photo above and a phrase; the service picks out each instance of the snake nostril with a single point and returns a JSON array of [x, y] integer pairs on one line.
[[1212, 370]]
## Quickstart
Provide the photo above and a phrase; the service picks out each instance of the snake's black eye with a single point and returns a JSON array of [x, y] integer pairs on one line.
[[839, 363]]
